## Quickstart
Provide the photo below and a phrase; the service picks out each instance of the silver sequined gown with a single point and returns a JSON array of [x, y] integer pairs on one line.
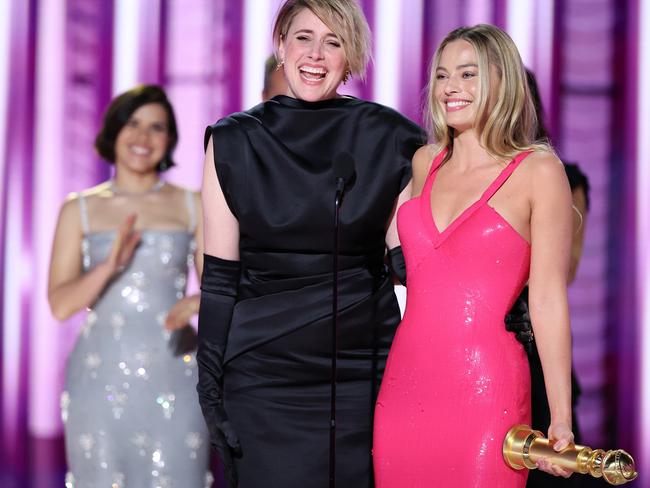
[[130, 407]]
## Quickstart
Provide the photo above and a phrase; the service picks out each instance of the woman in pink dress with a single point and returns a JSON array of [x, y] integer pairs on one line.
[[491, 210]]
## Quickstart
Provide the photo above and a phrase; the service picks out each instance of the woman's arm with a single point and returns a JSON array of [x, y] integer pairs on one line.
[[184, 309], [551, 234], [420, 164], [198, 235], [392, 237], [219, 283], [395, 255], [69, 289], [220, 226], [422, 161]]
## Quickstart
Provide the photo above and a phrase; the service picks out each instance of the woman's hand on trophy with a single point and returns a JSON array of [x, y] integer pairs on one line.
[[561, 434], [562, 437]]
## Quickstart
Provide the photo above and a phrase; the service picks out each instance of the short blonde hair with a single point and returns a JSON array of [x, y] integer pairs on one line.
[[346, 20], [510, 125]]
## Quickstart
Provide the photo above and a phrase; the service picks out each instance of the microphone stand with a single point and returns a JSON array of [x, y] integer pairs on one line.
[[340, 185]]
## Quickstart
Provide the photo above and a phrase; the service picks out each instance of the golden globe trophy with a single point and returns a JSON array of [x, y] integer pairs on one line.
[[523, 447]]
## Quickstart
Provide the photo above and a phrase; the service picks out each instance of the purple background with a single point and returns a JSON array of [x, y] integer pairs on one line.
[[62, 61]]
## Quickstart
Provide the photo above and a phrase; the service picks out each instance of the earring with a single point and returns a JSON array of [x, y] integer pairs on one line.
[[346, 77], [163, 165], [280, 65]]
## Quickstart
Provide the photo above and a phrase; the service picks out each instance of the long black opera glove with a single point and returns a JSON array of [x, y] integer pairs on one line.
[[518, 321], [218, 296], [397, 264]]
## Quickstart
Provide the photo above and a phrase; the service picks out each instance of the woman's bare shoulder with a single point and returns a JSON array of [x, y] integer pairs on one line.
[[422, 161], [180, 189], [72, 199], [98, 191], [543, 167], [425, 155], [546, 174]]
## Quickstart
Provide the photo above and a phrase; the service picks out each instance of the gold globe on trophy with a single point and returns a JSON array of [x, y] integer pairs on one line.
[[523, 447]]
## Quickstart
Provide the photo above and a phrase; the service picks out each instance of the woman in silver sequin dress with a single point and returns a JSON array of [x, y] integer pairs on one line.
[[123, 249]]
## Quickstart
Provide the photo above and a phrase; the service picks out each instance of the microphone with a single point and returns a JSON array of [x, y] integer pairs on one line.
[[344, 172], [344, 175]]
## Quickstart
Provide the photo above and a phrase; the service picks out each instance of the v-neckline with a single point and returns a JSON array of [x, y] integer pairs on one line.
[[425, 202]]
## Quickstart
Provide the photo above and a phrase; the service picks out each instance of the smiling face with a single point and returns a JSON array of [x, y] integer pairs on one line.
[[314, 59], [143, 141], [458, 85]]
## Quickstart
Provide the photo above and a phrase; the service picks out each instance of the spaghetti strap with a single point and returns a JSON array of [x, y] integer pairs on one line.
[[435, 166], [503, 177], [191, 209], [83, 210]]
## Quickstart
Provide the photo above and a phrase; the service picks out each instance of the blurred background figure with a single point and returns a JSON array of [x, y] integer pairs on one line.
[[122, 249], [580, 193], [274, 81]]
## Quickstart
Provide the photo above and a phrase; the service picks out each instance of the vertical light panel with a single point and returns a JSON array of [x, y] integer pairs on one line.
[[48, 181], [12, 300], [388, 16], [126, 45], [5, 8], [520, 26], [258, 19], [478, 12], [584, 135], [542, 62], [643, 227], [412, 64], [149, 41], [16, 259]]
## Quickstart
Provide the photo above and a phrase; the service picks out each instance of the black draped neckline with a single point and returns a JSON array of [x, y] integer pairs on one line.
[[275, 168], [337, 102]]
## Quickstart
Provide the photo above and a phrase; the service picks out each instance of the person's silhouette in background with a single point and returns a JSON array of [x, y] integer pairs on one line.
[[274, 82]]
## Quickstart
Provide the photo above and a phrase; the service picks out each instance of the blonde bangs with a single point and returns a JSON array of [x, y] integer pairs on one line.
[[344, 17]]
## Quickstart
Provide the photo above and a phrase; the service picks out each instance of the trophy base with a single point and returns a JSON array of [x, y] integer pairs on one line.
[[516, 447]]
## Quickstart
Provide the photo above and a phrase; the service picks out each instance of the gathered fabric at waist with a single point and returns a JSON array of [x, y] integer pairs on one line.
[[269, 271], [271, 304]]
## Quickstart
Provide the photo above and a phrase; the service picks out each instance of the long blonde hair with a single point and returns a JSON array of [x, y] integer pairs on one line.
[[509, 126]]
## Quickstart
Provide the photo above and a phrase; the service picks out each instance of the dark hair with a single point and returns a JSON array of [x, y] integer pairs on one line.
[[541, 134], [270, 65], [120, 111], [577, 179]]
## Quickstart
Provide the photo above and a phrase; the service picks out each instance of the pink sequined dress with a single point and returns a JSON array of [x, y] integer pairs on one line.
[[456, 381]]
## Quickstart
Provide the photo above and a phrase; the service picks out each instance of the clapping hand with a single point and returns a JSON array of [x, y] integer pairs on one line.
[[124, 245], [181, 313]]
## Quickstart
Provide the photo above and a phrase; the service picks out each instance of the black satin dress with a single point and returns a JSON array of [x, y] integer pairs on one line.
[[274, 164]]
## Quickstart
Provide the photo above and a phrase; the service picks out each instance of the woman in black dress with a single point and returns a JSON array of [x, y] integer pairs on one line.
[[265, 319]]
